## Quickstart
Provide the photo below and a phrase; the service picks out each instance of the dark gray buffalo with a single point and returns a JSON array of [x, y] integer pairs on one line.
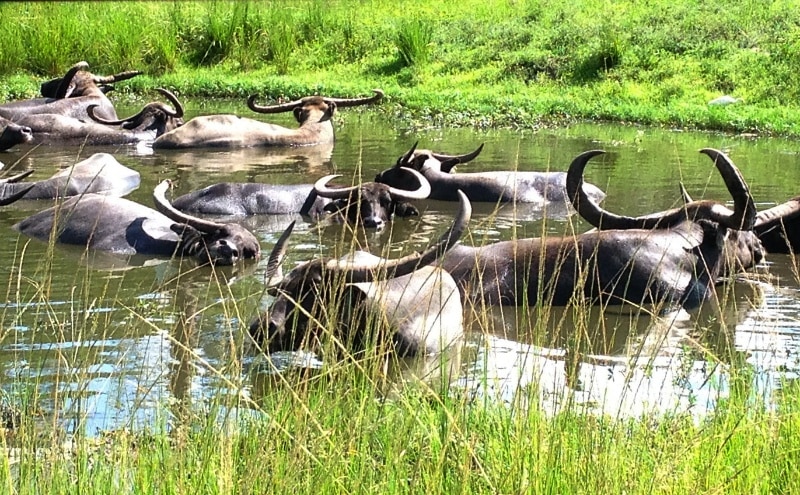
[[674, 258], [101, 173], [120, 226], [313, 113], [543, 189], [370, 203], [153, 120], [70, 96], [12, 134], [415, 308]]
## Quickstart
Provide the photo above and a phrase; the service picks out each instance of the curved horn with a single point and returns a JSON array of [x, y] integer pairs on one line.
[[422, 192], [280, 108], [162, 205], [16, 178], [18, 195], [64, 88], [276, 255], [777, 213], [322, 189], [122, 76], [178, 112], [407, 264], [687, 198], [405, 160], [744, 208], [468, 157], [353, 102], [741, 218], [90, 111]]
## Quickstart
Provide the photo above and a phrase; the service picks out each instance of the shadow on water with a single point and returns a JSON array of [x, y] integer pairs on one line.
[[110, 343]]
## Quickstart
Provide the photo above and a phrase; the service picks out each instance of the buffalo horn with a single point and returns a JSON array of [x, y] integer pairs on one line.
[[272, 275], [164, 206], [178, 112], [18, 195], [66, 87], [468, 157], [403, 266], [280, 108], [352, 102], [422, 192], [741, 218], [405, 160], [777, 213], [90, 111], [122, 76], [322, 189], [16, 178]]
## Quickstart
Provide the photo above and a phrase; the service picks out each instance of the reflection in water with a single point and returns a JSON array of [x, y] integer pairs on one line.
[[108, 348]]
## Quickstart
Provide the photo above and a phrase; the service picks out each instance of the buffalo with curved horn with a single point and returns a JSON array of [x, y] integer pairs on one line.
[[313, 113], [370, 203], [672, 258], [416, 307], [777, 228], [69, 96], [120, 226], [153, 120], [544, 189]]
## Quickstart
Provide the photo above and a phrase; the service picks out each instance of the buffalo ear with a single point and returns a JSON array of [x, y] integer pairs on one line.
[[406, 210], [448, 165], [329, 112]]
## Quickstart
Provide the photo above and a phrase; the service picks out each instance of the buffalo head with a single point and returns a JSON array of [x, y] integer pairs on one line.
[[313, 109], [12, 134], [155, 116], [78, 81], [373, 203], [422, 161], [210, 242], [304, 293]]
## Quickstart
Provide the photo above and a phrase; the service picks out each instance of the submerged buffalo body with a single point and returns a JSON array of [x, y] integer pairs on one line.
[[416, 308], [674, 258], [101, 173], [540, 188], [313, 113], [371, 204], [120, 226]]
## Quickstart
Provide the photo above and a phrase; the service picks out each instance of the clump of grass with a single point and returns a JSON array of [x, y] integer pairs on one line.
[[414, 42]]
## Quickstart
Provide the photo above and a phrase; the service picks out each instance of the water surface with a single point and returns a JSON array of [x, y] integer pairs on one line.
[[109, 342]]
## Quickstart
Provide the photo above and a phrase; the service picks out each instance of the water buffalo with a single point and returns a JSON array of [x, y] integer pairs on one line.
[[415, 307], [120, 226], [71, 97], [544, 189], [674, 258], [101, 173], [777, 228], [313, 113], [371, 203], [154, 119], [12, 134]]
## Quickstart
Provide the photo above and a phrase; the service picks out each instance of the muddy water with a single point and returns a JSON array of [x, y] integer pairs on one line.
[[107, 342]]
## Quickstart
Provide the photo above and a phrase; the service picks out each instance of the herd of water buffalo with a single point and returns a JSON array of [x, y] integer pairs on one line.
[[674, 257]]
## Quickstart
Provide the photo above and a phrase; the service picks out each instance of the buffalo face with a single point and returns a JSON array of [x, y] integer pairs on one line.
[[14, 134]]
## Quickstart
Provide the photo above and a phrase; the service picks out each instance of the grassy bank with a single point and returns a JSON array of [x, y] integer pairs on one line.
[[333, 434], [516, 63]]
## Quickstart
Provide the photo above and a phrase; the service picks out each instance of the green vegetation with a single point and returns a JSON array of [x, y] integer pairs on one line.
[[517, 63]]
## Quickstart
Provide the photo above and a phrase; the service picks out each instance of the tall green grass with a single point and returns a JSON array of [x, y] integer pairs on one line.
[[474, 63]]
